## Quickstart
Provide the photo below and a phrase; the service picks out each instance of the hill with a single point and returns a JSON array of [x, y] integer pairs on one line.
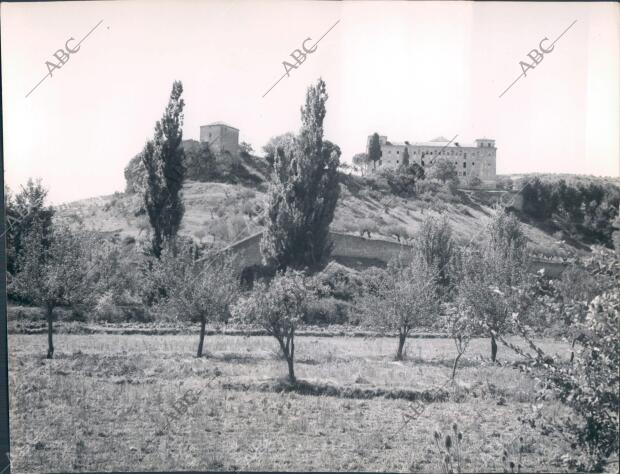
[[220, 213]]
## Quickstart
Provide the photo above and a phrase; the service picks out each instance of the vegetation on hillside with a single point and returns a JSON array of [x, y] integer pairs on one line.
[[578, 208]]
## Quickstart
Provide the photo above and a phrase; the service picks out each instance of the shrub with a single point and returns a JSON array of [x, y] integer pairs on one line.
[[107, 310], [399, 231], [367, 226], [474, 182], [428, 187], [325, 311]]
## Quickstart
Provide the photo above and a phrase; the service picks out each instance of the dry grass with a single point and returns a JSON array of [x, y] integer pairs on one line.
[[203, 202], [104, 397]]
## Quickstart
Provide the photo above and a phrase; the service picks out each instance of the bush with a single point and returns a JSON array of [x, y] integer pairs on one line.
[[341, 282], [399, 231], [367, 226], [474, 182], [326, 311], [428, 187], [505, 184], [106, 309]]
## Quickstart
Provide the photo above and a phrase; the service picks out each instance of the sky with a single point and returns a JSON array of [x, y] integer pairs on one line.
[[409, 70]]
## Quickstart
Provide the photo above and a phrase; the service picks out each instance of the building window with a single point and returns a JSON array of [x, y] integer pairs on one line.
[[396, 161], [464, 164]]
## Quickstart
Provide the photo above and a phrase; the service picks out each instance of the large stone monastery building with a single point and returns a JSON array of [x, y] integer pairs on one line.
[[470, 160]]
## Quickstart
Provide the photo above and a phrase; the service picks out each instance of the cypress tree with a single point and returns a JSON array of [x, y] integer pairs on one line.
[[303, 193], [374, 150], [405, 158], [163, 159]]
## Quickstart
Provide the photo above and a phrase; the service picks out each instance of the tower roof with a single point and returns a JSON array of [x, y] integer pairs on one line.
[[220, 123]]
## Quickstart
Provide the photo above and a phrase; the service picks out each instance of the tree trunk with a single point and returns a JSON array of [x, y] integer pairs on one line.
[[291, 369], [572, 352], [493, 349], [290, 357], [456, 362], [402, 337], [203, 323], [50, 342]]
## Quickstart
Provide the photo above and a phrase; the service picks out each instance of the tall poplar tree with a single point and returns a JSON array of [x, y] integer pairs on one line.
[[163, 159], [303, 193]]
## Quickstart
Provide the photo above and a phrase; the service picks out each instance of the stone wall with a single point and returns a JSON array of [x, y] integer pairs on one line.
[[347, 248], [358, 252]]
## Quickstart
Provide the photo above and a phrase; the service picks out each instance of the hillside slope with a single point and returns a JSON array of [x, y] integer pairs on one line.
[[222, 213]]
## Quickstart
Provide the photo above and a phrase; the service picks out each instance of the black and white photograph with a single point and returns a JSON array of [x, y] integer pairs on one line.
[[310, 236]]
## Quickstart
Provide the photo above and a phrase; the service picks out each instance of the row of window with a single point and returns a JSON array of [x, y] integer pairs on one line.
[[448, 153]]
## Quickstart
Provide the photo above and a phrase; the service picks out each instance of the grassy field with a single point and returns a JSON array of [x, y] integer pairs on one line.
[[103, 402]]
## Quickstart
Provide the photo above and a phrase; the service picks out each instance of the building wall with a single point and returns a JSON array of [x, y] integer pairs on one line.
[[479, 160], [220, 138]]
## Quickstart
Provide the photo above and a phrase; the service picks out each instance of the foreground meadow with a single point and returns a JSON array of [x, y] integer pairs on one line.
[[105, 394]]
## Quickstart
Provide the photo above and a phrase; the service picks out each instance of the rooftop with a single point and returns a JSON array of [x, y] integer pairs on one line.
[[438, 142], [220, 123]]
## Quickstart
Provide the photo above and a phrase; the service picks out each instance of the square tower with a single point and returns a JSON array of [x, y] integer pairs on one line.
[[221, 137]]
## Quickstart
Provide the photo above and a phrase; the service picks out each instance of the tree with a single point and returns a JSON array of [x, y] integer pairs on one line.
[[284, 141], [405, 162], [245, 148], [402, 182], [589, 386], [23, 212], [416, 171], [443, 170], [56, 276], [401, 298], [163, 160], [435, 244], [616, 233], [278, 307], [374, 150], [494, 277], [303, 193], [459, 324], [361, 160], [198, 161], [474, 182], [197, 288]]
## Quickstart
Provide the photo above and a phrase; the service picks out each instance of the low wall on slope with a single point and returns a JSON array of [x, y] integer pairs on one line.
[[358, 252], [348, 249]]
